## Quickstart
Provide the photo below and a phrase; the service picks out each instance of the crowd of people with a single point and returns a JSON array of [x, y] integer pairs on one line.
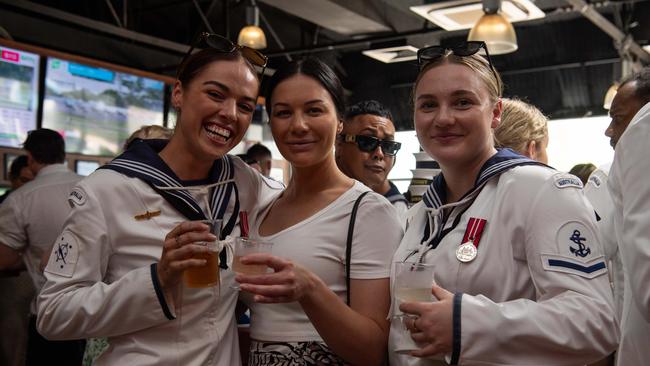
[[529, 267]]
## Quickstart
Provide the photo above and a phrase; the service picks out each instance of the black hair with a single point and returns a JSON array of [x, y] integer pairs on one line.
[[642, 79], [316, 70], [46, 146], [16, 166], [368, 107], [196, 62], [258, 151]]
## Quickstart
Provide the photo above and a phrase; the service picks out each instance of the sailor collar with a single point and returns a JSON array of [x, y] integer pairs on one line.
[[142, 161], [505, 159], [435, 198]]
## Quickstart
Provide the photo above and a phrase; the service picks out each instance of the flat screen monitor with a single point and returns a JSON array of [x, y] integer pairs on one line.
[[8, 159], [97, 109], [18, 95], [85, 167]]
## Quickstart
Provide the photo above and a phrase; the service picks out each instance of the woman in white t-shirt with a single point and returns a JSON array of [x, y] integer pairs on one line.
[[299, 312]]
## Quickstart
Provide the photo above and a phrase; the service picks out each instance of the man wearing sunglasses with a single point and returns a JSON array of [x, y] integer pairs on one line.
[[366, 149]]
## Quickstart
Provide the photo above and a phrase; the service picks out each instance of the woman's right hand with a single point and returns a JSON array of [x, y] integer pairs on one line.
[[180, 247]]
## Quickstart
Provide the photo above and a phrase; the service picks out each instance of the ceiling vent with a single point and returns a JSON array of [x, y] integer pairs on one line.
[[393, 54], [463, 14]]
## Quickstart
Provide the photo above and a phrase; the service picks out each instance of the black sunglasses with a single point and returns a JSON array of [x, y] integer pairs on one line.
[[224, 45], [431, 53], [370, 143]]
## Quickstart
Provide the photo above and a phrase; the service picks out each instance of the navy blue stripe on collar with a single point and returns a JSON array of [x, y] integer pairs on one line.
[[142, 161], [505, 159]]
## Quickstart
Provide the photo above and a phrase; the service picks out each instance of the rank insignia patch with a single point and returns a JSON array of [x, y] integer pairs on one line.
[[64, 256], [574, 239]]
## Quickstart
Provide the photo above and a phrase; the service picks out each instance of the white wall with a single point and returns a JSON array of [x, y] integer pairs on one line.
[[571, 141], [577, 141]]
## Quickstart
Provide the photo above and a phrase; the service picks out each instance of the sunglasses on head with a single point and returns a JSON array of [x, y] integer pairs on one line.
[[432, 53], [224, 45], [370, 143]]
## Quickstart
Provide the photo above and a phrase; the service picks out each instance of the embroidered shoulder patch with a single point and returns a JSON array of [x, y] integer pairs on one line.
[[595, 180], [565, 180], [574, 239], [272, 183], [77, 197], [559, 263], [64, 256]]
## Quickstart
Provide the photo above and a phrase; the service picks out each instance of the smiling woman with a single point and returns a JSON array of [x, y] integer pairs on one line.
[[502, 231], [309, 322], [127, 251]]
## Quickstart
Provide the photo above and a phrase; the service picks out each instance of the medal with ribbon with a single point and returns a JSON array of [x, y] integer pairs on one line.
[[468, 249]]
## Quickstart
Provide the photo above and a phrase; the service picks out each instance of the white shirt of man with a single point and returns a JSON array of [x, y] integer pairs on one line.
[[32, 217], [596, 191], [630, 189]]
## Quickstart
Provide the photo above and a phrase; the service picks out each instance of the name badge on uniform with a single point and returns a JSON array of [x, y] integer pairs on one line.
[[468, 249]]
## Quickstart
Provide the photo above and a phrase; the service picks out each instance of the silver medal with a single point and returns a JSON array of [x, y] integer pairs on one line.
[[466, 252]]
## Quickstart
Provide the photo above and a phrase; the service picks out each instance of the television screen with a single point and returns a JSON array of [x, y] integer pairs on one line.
[[97, 109], [18, 95], [85, 167]]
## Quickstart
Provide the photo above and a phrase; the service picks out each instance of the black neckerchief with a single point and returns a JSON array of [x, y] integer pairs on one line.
[[142, 161]]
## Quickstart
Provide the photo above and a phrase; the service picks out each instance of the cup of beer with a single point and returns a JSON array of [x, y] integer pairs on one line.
[[207, 275], [244, 247], [412, 283]]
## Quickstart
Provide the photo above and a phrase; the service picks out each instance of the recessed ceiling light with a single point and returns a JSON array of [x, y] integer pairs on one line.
[[463, 14], [393, 54]]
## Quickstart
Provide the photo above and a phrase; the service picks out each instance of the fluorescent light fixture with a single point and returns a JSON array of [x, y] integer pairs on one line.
[[463, 14], [647, 48], [393, 54]]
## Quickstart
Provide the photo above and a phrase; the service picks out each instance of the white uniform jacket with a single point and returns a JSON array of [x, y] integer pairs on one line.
[[537, 292], [598, 195], [101, 278], [628, 183]]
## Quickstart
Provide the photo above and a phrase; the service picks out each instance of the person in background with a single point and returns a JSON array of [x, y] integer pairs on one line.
[[524, 129], [16, 286], [366, 149], [30, 220], [251, 162], [262, 155], [299, 313], [630, 193], [138, 223], [19, 174], [151, 132], [583, 171], [513, 239], [96, 346]]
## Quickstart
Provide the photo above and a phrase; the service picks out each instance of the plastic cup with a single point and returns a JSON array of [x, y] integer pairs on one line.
[[244, 247]]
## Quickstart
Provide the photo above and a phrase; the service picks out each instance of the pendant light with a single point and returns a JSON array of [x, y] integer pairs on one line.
[[494, 29]]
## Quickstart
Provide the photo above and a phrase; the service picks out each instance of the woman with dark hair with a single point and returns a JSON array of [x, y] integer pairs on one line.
[[136, 227], [514, 240], [299, 313]]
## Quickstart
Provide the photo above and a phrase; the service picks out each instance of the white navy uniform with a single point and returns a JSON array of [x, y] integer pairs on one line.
[[628, 184], [537, 291], [101, 277], [598, 195]]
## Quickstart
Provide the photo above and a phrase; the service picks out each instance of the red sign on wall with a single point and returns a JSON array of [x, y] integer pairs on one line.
[[10, 56]]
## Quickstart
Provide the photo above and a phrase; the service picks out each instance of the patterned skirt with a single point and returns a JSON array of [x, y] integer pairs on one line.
[[292, 354]]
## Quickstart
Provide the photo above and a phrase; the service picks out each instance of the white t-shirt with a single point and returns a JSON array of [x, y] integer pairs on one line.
[[318, 243]]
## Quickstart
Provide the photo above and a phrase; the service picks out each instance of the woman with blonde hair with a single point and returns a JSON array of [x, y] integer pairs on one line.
[[519, 274], [523, 128]]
